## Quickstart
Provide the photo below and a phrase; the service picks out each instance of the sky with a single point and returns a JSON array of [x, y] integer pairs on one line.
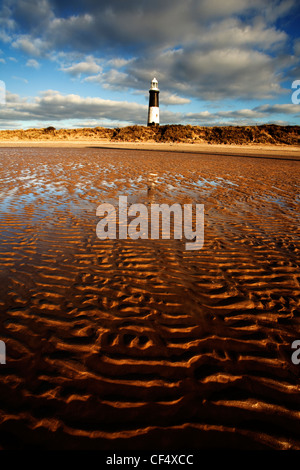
[[87, 63]]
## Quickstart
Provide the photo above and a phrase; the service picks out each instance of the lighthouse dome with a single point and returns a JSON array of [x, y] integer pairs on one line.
[[154, 84]]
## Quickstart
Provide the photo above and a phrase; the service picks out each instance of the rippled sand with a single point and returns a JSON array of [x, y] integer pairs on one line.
[[124, 344]]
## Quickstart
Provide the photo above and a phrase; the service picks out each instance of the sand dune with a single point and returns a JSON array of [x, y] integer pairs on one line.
[[140, 344], [265, 134]]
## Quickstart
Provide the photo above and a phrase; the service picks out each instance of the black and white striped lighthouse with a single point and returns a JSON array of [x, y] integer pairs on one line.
[[153, 111]]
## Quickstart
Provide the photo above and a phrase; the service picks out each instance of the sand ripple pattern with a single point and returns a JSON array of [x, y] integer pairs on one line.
[[124, 344]]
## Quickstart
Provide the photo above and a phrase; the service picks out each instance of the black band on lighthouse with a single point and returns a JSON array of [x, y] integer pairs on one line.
[[153, 98]]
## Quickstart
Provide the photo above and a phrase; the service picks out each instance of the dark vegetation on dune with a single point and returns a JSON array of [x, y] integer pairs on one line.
[[264, 134]]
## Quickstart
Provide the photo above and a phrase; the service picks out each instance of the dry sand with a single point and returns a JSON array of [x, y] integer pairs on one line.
[[198, 148], [124, 344]]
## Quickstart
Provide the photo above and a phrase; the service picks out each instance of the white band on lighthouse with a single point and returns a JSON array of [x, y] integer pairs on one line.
[[153, 115]]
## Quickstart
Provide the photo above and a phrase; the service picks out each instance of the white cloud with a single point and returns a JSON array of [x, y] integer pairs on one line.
[[94, 78], [288, 108], [32, 46], [20, 79], [173, 99], [244, 116], [119, 62], [86, 67], [235, 33], [52, 105], [212, 74], [33, 63], [297, 47], [4, 37]]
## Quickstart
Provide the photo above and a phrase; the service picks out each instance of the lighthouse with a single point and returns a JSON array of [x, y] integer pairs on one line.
[[153, 111]]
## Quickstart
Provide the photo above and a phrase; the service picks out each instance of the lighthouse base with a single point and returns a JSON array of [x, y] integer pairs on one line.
[[153, 116]]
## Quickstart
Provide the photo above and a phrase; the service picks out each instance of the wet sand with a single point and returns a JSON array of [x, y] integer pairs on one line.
[[140, 344]]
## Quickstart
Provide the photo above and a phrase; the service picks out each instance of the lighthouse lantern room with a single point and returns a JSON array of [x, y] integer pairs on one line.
[[153, 111]]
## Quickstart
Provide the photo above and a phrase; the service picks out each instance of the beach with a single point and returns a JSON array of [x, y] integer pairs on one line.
[[142, 344]]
